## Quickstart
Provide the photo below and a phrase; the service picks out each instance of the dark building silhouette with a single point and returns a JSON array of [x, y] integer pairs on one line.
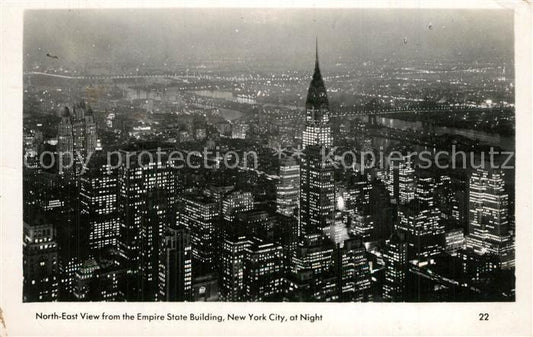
[[175, 269]]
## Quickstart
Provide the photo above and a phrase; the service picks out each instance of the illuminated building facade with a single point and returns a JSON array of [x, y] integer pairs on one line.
[[454, 240], [76, 137], [406, 180], [317, 192], [488, 217], [263, 271], [312, 276], [235, 203], [232, 284], [317, 185], [420, 222], [352, 271], [148, 195], [288, 187], [99, 206], [395, 258], [85, 282], [40, 271], [200, 215]]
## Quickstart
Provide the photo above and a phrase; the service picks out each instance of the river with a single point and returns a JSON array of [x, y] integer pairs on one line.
[[215, 94], [230, 114], [505, 142]]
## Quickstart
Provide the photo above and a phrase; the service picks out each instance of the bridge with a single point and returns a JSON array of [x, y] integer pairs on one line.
[[165, 75], [388, 111], [103, 77]]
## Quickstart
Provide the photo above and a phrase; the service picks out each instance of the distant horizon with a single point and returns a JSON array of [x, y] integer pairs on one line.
[[272, 38]]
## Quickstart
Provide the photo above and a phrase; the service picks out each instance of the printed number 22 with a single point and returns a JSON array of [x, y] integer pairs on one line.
[[483, 317]]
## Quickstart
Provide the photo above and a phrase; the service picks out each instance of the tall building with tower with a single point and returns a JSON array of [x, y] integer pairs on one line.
[[76, 137], [317, 125], [317, 185]]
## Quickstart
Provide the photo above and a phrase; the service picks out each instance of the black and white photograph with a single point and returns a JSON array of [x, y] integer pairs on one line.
[[241, 154], [273, 155]]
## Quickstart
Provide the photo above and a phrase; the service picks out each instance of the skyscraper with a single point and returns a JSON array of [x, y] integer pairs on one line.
[[312, 276], [317, 185], [148, 194], [288, 187], [84, 287], [76, 137], [395, 258], [40, 260], [406, 180], [232, 278], [352, 269], [99, 205], [488, 216], [72, 235], [65, 138], [200, 215], [420, 222], [317, 192], [263, 271], [317, 126], [175, 269], [357, 203]]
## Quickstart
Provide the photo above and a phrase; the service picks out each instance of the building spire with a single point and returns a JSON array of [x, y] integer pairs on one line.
[[317, 68], [316, 95]]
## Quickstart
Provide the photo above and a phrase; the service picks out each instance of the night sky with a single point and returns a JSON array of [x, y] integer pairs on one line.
[[276, 37]]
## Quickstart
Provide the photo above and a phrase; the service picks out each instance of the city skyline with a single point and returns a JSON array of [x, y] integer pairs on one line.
[[345, 197]]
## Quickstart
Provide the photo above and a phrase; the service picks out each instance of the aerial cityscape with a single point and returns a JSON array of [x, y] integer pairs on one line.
[[243, 155]]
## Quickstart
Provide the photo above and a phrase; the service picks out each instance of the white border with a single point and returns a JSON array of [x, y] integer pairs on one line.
[[339, 319]]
